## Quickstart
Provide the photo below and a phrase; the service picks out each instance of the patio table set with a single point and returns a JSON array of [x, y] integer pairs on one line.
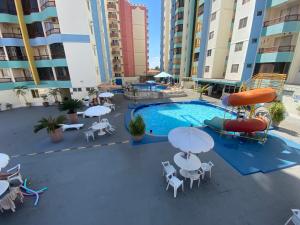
[[192, 142], [10, 185]]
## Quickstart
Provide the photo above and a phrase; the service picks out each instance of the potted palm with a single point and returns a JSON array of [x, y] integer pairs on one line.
[[45, 100], [8, 106], [137, 128], [21, 91], [277, 112], [93, 94], [201, 90], [71, 105], [53, 126], [54, 93], [298, 109]]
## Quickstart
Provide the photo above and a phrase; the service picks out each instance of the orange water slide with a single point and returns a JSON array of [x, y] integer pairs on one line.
[[252, 97], [246, 125]]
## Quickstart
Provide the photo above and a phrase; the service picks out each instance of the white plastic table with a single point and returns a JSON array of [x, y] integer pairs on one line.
[[4, 185], [100, 127], [4, 159], [191, 163]]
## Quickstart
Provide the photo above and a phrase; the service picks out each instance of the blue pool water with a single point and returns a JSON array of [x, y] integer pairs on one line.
[[149, 87], [162, 118]]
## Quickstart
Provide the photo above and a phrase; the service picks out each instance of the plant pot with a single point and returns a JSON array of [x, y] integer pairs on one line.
[[73, 117], [138, 138], [57, 135], [45, 104], [28, 104], [275, 124]]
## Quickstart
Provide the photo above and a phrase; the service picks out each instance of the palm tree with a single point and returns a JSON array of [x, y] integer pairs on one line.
[[201, 90], [52, 125], [21, 91], [54, 93], [92, 92]]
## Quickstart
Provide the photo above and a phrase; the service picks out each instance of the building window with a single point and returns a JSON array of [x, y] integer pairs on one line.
[[243, 23], [77, 89], [92, 27], [211, 35], [209, 52], [198, 27], [249, 65], [213, 16], [206, 69], [197, 42], [234, 68], [254, 40], [45, 73], [35, 93], [179, 28], [88, 5], [245, 1], [238, 46], [62, 73], [259, 13], [57, 51]]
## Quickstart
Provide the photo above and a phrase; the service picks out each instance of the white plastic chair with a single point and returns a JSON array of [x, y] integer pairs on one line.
[[206, 167], [175, 183], [88, 134], [110, 129], [193, 176], [168, 169], [15, 175], [295, 218]]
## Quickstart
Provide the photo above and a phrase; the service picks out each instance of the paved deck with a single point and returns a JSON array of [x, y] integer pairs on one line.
[[122, 184]]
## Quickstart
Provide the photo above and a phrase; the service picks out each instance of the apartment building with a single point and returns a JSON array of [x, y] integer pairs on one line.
[[46, 44], [234, 39], [128, 24]]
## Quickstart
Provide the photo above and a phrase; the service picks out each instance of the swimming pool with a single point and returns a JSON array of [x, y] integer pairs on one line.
[[161, 118], [149, 87]]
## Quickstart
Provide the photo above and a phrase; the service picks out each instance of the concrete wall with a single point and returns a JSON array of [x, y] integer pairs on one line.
[[139, 30], [240, 35]]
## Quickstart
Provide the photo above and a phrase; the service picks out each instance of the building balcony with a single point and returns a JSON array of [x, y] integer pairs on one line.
[[41, 57], [282, 19], [273, 57], [23, 79], [117, 69], [116, 61], [17, 58], [9, 10], [114, 35], [28, 11], [115, 17], [115, 52], [53, 31], [111, 6], [283, 27], [3, 58], [5, 80], [48, 3], [113, 26], [289, 48], [12, 35]]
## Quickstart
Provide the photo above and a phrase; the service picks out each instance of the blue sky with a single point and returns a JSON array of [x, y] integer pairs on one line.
[[154, 29]]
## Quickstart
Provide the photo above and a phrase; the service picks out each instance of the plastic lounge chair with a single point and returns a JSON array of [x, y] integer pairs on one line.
[[81, 114], [15, 178], [206, 167], [175, 183], [71, 126], [295, 218], [168, 169]]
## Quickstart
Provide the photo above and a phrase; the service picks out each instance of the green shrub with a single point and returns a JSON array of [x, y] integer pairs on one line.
[[277, 112], [137, 126], [50, 123], [72, 105]]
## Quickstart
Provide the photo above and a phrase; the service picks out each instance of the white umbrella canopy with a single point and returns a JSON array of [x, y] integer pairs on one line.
[[163, 75], [190, 139], [106, 95], [98, 110], [4, 159]]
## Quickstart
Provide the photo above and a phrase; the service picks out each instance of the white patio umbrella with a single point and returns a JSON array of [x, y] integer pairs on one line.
[[163, 75], [150, 82], [4, 159], [190, 140], [98, 110], [106, 95]]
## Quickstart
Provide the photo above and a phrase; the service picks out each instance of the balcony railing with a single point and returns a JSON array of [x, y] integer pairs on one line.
[[12, 35], [52, 31], [113, 26], [117, 69], [5, 80], [3, 58], [58, 55], [8, 11], [114, 35], [115, 52], [22, 79], [112, 16], [41, 57], [111, 6], [288, 48], [62, 77], [28, 11], [48, 3], [116, 61], [17, 58], [287, 18]]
